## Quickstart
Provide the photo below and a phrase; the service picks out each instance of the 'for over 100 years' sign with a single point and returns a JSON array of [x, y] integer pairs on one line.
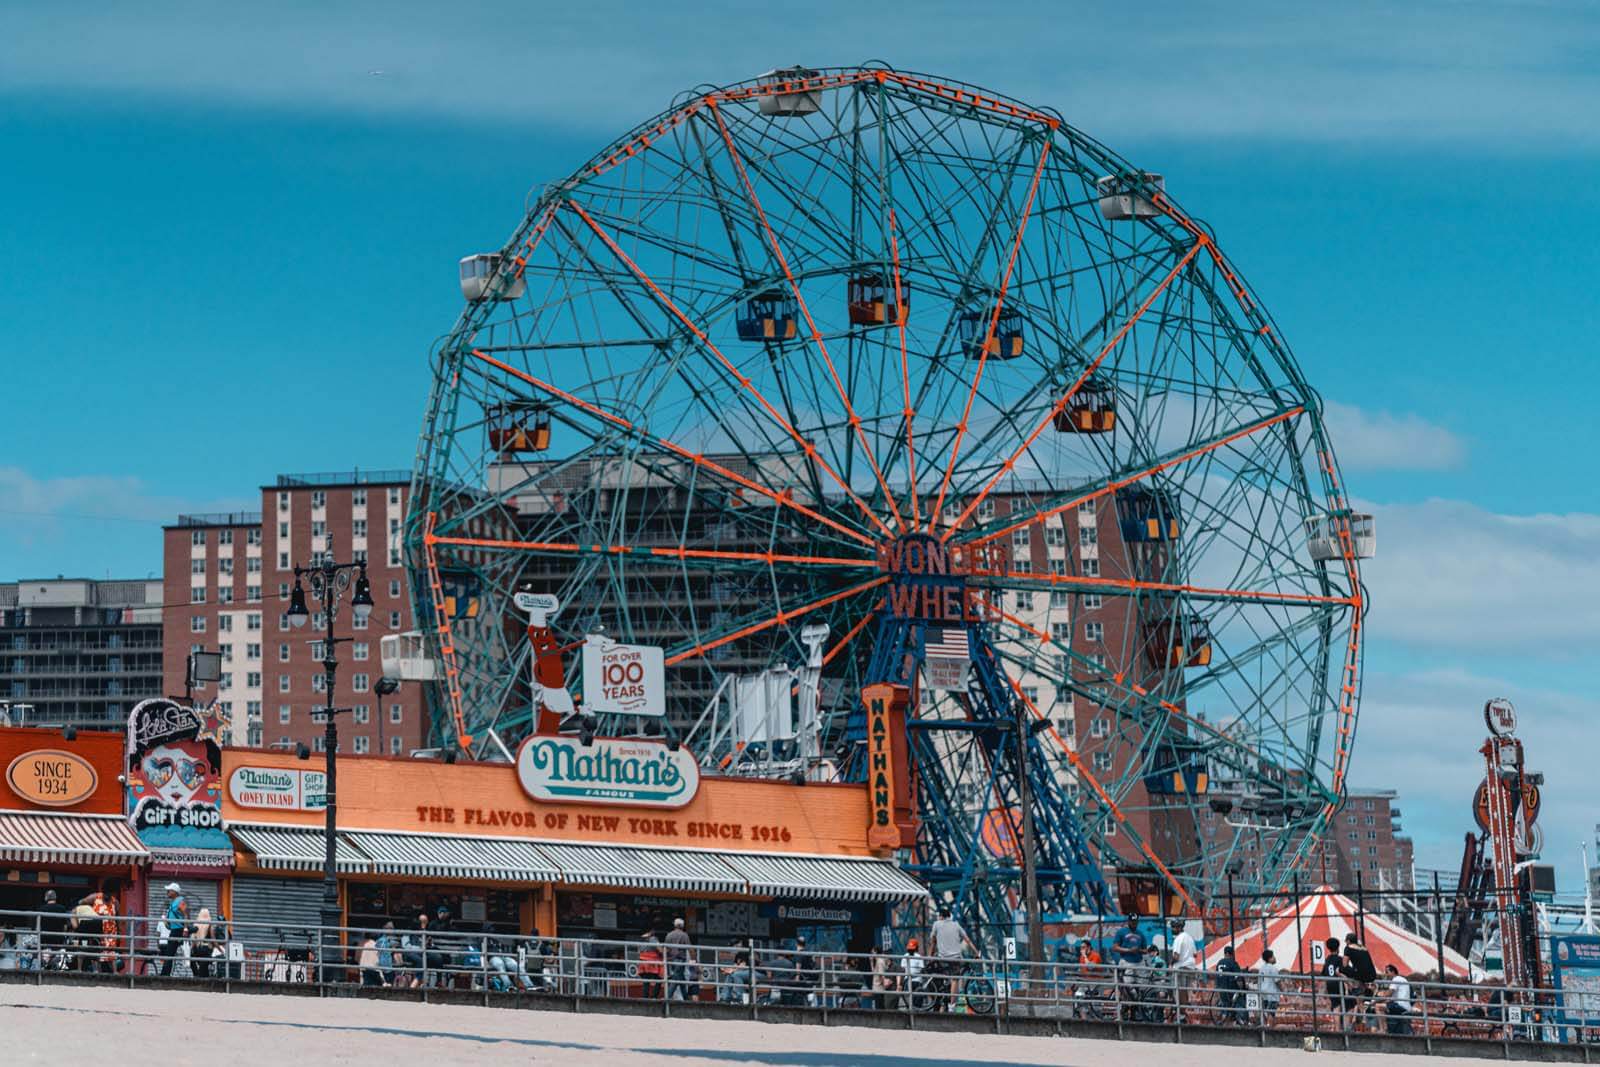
[[607, 771], [623, 679]]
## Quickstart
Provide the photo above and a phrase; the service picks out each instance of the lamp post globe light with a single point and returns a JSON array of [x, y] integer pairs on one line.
[[329, 581]]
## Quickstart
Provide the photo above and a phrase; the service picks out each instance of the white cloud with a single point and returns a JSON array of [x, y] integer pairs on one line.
[[1427, 71], [1380, 440], [1420, 732], [1452, 575]]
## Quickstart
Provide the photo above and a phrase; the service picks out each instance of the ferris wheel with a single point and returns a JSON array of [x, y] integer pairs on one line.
[[926, 366]]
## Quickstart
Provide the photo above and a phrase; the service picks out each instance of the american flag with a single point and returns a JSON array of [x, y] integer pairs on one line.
[[945, 642]]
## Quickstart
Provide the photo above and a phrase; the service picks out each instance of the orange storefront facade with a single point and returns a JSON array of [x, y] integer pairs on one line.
[[518, 848], [61, 819]]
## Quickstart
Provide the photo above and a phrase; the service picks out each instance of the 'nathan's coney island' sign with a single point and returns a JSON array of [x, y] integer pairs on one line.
[[607, 771]]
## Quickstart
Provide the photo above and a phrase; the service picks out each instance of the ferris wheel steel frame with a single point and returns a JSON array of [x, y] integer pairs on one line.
[[794, 439]]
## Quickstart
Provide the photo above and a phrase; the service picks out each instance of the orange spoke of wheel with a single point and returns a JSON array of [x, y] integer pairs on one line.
[[777, 620], [983, 353], [905, 371], [1123, 483], [785, 498], [744, 381], [1105, 797], [805, 311], [1136, 585], [674, 552], [1066, 398]]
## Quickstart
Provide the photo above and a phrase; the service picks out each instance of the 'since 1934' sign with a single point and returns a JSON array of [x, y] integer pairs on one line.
[[608, 771], [52, 778]]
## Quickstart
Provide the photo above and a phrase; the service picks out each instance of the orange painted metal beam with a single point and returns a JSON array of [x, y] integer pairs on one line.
[[777, 620], [744, 381], [1066, 398], [675, 552], [988, 337], [1121, 483], [785, 498], [909, 413], [805, 312], [447, 647]]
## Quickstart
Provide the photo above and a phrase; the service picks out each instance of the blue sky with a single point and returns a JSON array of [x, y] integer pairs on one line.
[[211, 212]]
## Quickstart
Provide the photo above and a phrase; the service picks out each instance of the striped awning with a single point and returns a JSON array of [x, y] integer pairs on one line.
[[295, 848], [495, 859], [681, 869], [825, 877], [54, 837]]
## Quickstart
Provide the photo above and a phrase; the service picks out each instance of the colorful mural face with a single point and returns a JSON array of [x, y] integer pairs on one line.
[[175, 776]]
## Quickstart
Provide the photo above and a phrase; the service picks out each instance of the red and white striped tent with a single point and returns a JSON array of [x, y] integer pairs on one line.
[[1322, 914]]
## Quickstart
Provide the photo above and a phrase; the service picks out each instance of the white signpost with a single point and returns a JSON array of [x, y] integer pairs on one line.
[[623, 679]]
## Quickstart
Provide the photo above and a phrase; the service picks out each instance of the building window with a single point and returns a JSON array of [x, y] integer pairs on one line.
[[358, 683], [283, 622], [1021, 539], [358, 650], [283, 501], [1067, 727], [397, 713], [361, 713], [1022, 565], [252, 680], [1058, 566], [318, 683], [197, 624], [1367, 804], [283, 653], [1030, 695], [283, 531], [1061, 632], [394, 620], [252, 536], [284, 711], [227, 653], [394, 557], [252, 593], [1024, 600], [1099, 726], [394, 746], [394, 498], [358, 498], [1102, 762], [360, 745], [197, 595], [225, 682], [318, 528], [1086, 508], [224, 594], [283, 683], [1091, 568], [1094, 631], [316, 743], [283, 561], [319, 499], [1059, 599], [252, 621], [252, 709], [1088, 535], [359, 555], [358, 527], [252, 651], [1055, 536], [197, 566], [197, 537], [1092, 601], [252, 565], [1370, 820], [394, 587]]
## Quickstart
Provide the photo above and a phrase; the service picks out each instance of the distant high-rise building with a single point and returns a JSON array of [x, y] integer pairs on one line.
[[79, 652], [229, 578]]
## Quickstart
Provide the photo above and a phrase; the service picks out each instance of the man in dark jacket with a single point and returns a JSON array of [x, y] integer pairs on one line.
[[1360, 970], [1333, 970], [52, 926], [1228, 994]]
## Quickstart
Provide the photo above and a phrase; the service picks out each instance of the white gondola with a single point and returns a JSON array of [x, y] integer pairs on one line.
[[790, 104], [480, 272], [1122, 197], [405, 658], [1322, 536]]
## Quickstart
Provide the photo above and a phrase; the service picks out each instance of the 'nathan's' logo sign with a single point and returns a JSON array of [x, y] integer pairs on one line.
[[609, 771]]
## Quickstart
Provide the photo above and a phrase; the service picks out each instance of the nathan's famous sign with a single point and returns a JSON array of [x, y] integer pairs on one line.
[[607, 771], [929, 578]]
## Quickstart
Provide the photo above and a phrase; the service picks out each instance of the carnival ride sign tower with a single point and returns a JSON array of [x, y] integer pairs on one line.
[[1506, 806]]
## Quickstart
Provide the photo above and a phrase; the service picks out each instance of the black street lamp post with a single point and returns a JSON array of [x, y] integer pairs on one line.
[[328, 580]]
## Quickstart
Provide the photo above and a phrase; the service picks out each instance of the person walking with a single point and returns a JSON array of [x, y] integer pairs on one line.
[[1267, 984], [1228, 979], [171, 927], [201, 945], [678, 960], [1185, 970], [1362, 973], [53, 932], [1335, 982], [1398, 1005], [950, 943]]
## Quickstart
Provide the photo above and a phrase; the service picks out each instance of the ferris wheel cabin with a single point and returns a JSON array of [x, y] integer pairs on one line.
[[518, 426], [1175, 643], [786, 97], [1146, 515], [405, 658], [1128, 196], [972, 330], [870, 300], [772, 315], [483, 279], [1177, 769], [1323, 535], [1092, 409]]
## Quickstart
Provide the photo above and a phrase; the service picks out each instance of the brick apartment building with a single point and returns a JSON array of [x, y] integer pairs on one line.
[[228, 579]]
